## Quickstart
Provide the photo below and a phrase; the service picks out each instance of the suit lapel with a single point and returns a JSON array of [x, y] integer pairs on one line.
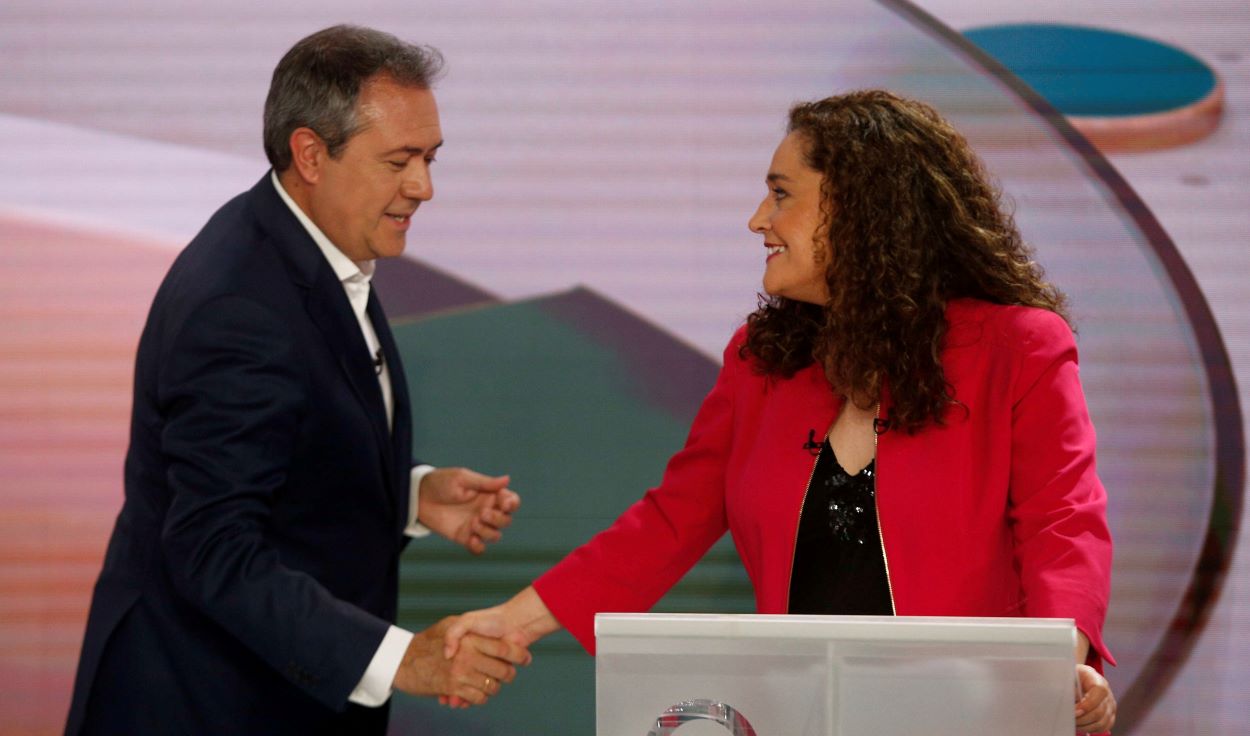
[[401, 425], [332, 313], [328, 308]]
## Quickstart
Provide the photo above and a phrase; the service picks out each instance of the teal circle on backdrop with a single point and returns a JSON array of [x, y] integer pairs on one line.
[[1095, 72]]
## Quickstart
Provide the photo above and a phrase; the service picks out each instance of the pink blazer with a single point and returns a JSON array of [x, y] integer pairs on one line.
[[999, 512]]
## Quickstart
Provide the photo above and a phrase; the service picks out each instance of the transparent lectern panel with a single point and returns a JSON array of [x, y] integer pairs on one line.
[[684, 675], [773, 687], [953, 692]]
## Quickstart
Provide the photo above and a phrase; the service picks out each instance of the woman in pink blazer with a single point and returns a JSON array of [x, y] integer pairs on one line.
[[899, 428]]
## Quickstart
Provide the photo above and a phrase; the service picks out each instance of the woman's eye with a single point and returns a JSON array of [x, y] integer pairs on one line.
[[779, 193]]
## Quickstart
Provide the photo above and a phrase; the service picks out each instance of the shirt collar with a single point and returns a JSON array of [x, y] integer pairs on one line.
[[347, 270]]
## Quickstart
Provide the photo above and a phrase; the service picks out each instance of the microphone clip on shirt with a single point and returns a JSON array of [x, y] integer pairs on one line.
[[812, 446], [879, 427]]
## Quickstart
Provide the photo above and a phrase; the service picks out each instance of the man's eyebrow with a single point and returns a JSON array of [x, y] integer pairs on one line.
[[413, 150]]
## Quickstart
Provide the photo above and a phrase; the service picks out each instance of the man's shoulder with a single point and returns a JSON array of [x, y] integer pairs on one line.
[[232, 233], [234, 254]]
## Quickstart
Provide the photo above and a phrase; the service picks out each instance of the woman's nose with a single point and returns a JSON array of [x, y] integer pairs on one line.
[[759, 221]]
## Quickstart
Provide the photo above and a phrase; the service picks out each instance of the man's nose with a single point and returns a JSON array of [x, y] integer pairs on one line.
[[418, 184]]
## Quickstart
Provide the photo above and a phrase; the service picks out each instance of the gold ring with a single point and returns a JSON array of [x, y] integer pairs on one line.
[[488, 683]]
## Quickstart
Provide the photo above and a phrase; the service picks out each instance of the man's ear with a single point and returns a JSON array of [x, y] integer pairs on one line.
[[308, 154]]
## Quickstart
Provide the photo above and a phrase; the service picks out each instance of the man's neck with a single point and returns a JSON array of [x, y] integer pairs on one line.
[[296, 190], [344, 267]]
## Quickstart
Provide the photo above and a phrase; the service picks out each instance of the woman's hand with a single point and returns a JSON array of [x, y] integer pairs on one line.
[[520, 621], [1095, 706]]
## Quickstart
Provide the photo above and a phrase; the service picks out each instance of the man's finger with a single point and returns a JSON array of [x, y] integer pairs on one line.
[[486, 531], [475, 481], [503, 649], [508, 501], [495, 517], [469, 694], [474, 667], [486, 535]]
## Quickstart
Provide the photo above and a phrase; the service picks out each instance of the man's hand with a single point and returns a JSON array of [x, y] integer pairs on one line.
[[520, 621], [468, 508], [1096, 706], [477, 671]]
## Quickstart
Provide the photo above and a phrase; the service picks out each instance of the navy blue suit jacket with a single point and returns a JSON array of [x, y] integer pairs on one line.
[[253, 570]]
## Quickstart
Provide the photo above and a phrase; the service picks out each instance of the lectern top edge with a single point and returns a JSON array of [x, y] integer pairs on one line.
[[862, 628]]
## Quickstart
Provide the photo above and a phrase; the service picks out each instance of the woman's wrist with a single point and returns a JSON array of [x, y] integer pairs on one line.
[[530, 614]]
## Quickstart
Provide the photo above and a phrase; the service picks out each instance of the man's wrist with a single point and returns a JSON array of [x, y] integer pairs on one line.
[[376, 685], [414, 527]]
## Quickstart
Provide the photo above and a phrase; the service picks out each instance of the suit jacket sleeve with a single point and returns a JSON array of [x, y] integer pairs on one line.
[[232, 392], [1058, 504]]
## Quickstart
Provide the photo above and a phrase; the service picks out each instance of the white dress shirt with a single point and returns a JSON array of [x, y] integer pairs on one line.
[[376, 686]]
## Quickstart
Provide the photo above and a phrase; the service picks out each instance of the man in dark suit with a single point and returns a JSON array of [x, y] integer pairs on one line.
[[251, 582]]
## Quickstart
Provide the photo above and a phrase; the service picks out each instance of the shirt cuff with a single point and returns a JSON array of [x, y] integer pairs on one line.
[[379, 679], [416, 528]]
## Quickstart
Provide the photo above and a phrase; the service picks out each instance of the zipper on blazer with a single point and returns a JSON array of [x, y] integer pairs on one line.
[[794, 549], [885, 560]]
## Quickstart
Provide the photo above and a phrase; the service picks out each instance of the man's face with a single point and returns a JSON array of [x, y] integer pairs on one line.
[[364, 199]]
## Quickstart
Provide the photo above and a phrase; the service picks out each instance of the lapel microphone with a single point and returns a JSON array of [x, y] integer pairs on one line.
[[378, 362], [812, 446], [879, 427]]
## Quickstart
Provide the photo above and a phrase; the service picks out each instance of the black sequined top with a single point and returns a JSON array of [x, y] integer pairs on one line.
[[839, 566]]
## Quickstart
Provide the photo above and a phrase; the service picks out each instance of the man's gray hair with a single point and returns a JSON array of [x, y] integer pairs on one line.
[[317, 83]]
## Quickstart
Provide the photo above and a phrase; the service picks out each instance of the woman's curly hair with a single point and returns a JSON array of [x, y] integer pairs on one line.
[[911, 221]]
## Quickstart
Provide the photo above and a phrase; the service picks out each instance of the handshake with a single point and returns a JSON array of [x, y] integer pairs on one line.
[[466, 659]]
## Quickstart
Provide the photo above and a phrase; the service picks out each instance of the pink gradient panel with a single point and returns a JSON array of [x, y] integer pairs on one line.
[[70, 317]]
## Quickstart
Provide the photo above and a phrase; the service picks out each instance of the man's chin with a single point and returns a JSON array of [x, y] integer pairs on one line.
[[389, 249]]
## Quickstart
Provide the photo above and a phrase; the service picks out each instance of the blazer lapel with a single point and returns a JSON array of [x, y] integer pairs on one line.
[[330, 311], [401, 424]]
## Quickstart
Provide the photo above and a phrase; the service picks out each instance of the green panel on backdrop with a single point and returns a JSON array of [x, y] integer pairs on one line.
[[519, 388]]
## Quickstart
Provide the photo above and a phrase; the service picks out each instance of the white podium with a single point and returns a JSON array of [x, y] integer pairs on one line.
[[754, 675]]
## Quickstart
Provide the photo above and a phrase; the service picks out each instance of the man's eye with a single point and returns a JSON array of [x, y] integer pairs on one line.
[[398, 165]]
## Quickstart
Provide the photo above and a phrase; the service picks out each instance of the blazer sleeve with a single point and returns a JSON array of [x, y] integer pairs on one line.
[[630, 565], [1057, 503], [232, 393]]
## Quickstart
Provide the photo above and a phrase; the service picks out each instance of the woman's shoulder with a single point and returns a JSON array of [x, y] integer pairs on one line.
[[736, 353], [1009, 325]]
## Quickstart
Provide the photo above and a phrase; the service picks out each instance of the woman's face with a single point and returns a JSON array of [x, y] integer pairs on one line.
[[788, 218]]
